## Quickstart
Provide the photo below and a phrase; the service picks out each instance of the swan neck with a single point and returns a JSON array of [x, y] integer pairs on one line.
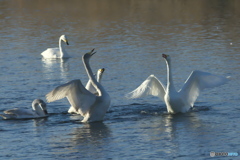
[[170, 84], [91, 76], [99, 78], [38, 109], [61, 48]]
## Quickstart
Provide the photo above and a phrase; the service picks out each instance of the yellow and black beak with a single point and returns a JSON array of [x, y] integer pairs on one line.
[[102, 70], [66, 41]]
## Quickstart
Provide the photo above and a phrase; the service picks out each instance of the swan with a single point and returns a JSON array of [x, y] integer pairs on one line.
[[90, 88], [92, 107], [182, 100], [38, 110], [57, 52]]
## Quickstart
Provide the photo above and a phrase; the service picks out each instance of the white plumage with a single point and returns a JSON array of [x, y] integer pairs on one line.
[[38, 110], [57, 52], [182, 100], [92, 107], [90, 88]]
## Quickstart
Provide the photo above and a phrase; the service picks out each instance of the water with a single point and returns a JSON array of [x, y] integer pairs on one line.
[[129, 37]]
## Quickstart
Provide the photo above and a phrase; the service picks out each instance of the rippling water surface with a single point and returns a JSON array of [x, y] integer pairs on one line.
[[130, 37]]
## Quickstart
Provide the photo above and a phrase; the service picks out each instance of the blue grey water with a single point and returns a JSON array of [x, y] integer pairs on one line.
[[130, 37]]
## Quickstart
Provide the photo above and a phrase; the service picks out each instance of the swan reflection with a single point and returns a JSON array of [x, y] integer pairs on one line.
[[40, 122], [91, 134], [51, 66]]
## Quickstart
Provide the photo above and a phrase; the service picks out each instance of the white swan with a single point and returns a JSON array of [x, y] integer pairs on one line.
[[182, 100], [57, 52], [38, 110], [89, 86], [92, 107]]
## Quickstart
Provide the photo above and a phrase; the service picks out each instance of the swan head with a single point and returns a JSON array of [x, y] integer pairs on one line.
[[99, 74], [88, 55], [41, 103], [166, 57], [64, 39], [101, 70]]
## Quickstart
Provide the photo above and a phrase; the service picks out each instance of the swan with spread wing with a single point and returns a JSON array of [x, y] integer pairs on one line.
[[89, 86], [92, 107], [182, 100]]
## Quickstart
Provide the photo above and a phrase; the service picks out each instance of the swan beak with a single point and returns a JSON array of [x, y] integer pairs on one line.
[[67, 42], [92, 52], [102, 70], [164, 55], [43, 106]]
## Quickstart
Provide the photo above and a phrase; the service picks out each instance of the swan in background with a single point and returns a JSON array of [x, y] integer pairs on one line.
[[92, 107], [182, 100], [38, 110], [57, 52], [90, 88]]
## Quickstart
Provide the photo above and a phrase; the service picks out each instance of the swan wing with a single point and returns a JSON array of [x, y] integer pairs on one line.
[[77, 95], [151, 86], [198, 81]]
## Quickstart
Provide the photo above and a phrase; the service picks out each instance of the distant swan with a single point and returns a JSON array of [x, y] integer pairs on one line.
[[90, 87], [182, 100], [38, 110], [92, 107], [57, 52]]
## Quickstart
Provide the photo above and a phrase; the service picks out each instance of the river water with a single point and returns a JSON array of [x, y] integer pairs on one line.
[[129, 37]]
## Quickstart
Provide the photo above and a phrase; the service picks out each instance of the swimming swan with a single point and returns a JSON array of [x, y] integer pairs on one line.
[[90, 88], [182, 100], [57, 52], [92, 107], [38, 110]]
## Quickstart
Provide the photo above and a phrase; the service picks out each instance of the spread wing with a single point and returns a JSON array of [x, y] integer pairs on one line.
[[197, 81], [151, 86], [77, 95]]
